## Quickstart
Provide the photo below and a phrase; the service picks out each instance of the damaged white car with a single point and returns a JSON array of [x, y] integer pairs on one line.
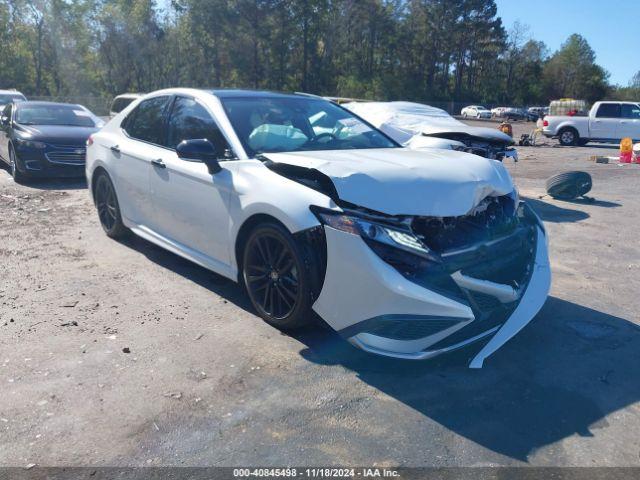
[[419, 126], [405, 253]]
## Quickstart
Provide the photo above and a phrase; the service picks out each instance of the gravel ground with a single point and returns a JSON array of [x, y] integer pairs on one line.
[[123, 354]]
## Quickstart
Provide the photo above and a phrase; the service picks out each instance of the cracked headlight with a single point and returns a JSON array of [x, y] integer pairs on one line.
[[394, 235]]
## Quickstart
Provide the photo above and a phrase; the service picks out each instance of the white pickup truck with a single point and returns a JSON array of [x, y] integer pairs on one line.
[[607, 122]]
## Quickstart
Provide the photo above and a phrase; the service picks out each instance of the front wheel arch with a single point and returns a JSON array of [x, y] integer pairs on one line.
[[243, 235], [312, 238]]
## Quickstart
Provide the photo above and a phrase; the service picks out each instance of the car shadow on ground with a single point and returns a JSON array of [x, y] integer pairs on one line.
[[58, 184], [77, 183], [592, 201], [229, 290], [558, 378], [549, 212]]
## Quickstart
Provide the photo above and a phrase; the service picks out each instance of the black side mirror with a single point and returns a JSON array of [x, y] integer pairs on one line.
[[4, 121], [199, 150]]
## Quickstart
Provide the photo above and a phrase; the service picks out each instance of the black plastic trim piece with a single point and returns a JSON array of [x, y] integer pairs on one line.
[[402, 326]]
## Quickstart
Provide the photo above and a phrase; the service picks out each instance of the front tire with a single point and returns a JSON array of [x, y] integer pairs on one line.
[[108, 207], [278, 274], [568, 137], [18, 176]]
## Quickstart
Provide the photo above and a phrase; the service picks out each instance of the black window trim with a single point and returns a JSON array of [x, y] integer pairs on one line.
[[233, 157]]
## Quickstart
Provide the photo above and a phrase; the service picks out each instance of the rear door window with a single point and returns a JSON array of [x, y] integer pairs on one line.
[[630, 111], [190, 121], [146, 121], [608, 110]]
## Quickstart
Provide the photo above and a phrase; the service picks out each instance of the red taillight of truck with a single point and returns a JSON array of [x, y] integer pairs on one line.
[[545, 123]]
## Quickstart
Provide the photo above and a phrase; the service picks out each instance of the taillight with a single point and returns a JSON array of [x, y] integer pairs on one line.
[[90, 141], [545, 123]]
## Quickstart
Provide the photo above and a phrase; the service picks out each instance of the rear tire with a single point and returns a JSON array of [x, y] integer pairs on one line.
[[18, 176], [568, 137], [278, 273], [108, 207]]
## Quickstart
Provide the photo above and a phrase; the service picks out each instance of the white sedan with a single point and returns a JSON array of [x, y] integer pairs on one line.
[[405, 253], [475, 111]]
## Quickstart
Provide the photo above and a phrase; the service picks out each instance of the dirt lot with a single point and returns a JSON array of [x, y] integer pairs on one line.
[[123, 354]]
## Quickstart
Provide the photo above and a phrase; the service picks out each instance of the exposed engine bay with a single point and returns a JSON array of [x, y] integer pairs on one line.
[[493, 149]]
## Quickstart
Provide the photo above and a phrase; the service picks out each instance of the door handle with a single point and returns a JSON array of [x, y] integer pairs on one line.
[[115, 149], [158, 163]]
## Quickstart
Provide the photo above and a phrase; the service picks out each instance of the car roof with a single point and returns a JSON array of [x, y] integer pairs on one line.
[[50, 104], [129, 95], [626, 102], [10, 92], [239, 93]]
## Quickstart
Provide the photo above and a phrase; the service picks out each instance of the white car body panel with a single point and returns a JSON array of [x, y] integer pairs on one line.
[[190, 206], [183, 208], [407, 182], [363, 296]]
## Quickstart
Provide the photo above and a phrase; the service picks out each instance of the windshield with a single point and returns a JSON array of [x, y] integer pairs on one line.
[[285, 124], [66, 115]]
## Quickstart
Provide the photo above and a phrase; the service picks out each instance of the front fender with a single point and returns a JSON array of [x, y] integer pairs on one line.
[[259, 191]]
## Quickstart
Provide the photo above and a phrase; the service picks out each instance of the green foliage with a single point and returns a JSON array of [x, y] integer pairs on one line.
[[437, 50], [572, 72]]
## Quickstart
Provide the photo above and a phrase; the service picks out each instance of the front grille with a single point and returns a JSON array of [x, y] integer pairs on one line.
[[67, 156]]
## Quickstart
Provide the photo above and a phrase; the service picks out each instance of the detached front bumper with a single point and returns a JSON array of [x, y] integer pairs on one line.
[[378, 309]]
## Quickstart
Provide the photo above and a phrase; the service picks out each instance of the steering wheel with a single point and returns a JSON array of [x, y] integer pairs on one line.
[[317, 138]]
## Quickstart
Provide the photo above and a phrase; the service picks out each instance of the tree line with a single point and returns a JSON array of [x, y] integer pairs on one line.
[[420, 50]]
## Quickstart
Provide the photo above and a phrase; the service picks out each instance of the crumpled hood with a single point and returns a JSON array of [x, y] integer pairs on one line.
[[403, 120], [399, 181], [491, 134]]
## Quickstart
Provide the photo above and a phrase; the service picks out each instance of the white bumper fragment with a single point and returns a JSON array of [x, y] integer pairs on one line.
[[532, 301]]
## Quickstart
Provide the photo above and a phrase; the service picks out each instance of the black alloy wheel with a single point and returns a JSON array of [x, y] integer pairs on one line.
[[276, 276], [108, 208]]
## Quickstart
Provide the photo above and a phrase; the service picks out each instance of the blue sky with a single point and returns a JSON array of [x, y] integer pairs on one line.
[[610, 27]]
